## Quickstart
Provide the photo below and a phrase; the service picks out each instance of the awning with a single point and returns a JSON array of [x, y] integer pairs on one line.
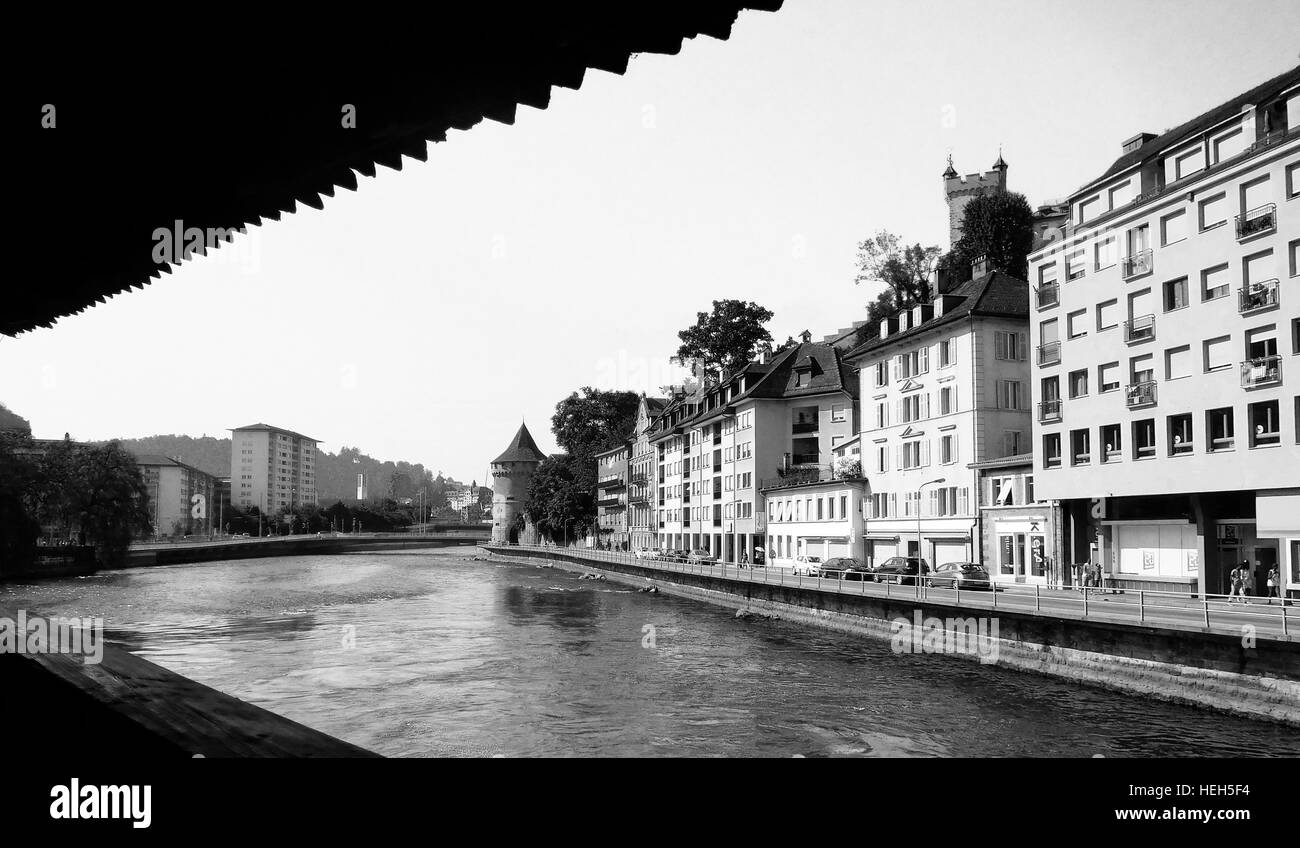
[[880, 537], [1277, 513]]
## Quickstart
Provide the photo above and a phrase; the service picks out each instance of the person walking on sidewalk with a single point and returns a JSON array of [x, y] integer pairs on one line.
[[1274, 585], [1238, 585]]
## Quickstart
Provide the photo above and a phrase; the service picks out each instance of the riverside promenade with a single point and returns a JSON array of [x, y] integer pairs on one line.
[[1236, 658]]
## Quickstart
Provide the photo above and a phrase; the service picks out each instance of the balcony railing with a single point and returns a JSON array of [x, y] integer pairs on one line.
[[804, 427], [1136, 265], [1049, 410], [610, 503], [638, 477], [1141, 394], [1257, 221], [1049, 353], [1049, 294], [1257, 296], [1140, 329], [614, 482], [1261, 371]]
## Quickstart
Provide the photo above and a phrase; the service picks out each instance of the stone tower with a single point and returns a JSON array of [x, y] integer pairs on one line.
[[511, 473], [959, 191]]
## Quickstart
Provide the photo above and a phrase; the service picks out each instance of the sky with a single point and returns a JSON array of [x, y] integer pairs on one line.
[[422, 317]]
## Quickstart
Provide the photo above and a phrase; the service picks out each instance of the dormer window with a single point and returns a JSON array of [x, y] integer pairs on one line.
[[804, 370]]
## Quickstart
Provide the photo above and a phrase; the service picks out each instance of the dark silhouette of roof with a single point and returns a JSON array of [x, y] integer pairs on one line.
[[522, 448], [221, 128]]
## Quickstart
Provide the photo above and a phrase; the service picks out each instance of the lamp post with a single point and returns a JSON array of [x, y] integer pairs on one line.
[[919, 559]]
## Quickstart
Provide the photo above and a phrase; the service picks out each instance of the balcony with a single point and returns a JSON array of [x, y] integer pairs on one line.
[[1049, 410], [1049, 353], [1137, 265], [1139, 395], [1257, 296], [803, 427], [1257, 222], [1049, 294], [1261, 371], [1140, 329], [639, 477], [610, 503], [614, 482]]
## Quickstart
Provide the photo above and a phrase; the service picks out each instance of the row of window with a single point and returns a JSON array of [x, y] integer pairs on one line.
[[936, 503], [810, 508], [1263, 430]]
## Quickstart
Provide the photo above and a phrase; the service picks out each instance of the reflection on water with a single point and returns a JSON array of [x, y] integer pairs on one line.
[[433, 654]]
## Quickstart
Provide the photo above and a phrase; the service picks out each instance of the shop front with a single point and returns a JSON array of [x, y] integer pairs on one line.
[[1278, 527], [1020, 550]]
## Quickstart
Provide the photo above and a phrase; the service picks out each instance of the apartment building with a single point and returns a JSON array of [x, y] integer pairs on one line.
[[943, 385], [271, 468], [818, 512], [183, 498], [1167, 330], [1019, 531], [715, 446], [612, 496], [641, 475]]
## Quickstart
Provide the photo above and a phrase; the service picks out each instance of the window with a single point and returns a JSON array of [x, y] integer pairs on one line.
[[1076, 324], [1265, 429], [1186, 162], [1175, 294], [1218, 353], [1111, 448], [1074, 265], [915, 454], [1293, 251], [1122, 194], [882, 414], [1052, 450], [839, 413], [1173, 228], [1214, 282], [1080, 447], [1008, 392], [947, 353], [1079, 383], [1011, 442], [1227, 145], [1213, 211], [882, 459], [1142, 368], [947, 400], [1219, 429], [1107, 315], [882, 374], [1144, 439], [1257, 267], [1180, 434], [1089, 209], [1108, 376], [1104, 253], [1255, 194], [948, 449], [1261, 342], [1178, 362], [1008, 345]]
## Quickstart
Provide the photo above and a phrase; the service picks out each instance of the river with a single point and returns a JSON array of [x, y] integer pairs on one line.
[[436, 654]]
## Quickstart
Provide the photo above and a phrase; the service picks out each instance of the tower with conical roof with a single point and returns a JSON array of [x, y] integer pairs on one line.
[[511, 473], [960, 190]]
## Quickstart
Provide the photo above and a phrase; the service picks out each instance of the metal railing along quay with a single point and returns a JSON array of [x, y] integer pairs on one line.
[[1213, 613]]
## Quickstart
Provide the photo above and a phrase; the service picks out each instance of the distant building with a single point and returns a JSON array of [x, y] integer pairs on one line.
[[641, 475], [819, 514], [272, 468], [612, 496], [511, 473], [182, 496]]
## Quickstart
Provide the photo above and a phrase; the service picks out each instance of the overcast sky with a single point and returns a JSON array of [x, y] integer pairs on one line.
[[423, 316]]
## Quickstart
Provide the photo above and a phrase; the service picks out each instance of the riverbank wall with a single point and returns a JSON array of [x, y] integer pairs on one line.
[[1256, 679]]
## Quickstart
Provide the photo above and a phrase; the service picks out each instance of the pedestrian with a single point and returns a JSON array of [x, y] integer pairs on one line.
[[1274, 585], [1238, 579]]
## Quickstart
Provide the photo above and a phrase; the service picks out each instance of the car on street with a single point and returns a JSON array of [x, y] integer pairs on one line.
[[959, 575], [699, 556], [836, 568], [807, 565], [646, 553], [899, 569]]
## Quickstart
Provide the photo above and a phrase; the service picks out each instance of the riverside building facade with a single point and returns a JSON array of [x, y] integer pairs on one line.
[[780, 415], [271, 468], [641, 473], [1167, 353], [612, 497]]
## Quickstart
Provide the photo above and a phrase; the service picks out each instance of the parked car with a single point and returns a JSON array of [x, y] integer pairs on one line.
[[646, 553], [899, 570], [807, 565], [857, 571], [699, 556], [960, 575], [837, 567]]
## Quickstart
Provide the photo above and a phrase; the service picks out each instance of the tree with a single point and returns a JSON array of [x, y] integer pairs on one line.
[[905, 269], [725, 338], [591, 420], [998, 225], [560, 501]]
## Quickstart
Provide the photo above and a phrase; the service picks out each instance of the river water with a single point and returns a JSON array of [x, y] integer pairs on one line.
[[436, 654]]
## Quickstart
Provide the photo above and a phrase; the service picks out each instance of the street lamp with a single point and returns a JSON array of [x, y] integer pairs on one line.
[[919, 559]]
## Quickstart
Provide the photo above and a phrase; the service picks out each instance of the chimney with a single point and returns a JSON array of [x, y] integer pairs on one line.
[[1137, 141]]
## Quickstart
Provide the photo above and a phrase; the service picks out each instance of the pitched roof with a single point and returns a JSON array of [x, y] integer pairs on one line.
[[995, 294], [1204, 121], [260, 426], [522, 448]]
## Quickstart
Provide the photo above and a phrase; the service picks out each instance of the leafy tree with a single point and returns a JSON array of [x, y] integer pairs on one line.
[[561, 496], [725, 338], [998, 225], [904, 268], [18, 528], [591, 420]]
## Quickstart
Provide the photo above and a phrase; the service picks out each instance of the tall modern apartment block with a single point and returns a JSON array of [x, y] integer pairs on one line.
[[1166, 369], [271, 468]]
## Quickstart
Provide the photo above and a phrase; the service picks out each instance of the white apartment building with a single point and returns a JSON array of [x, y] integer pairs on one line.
[[942, 386], [1167, 328], [715, 447], [182, 497], [818, 514], [271, 468], [641, 475]]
